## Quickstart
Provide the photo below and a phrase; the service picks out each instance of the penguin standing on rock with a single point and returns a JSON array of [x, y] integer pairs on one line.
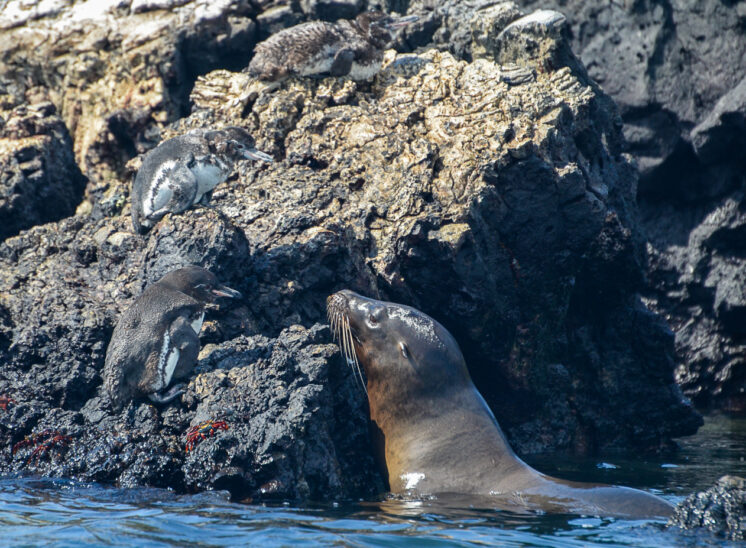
[[182, 171], [156, 340], [351, 48]]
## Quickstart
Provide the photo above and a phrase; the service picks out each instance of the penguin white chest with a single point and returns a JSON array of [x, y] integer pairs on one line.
[[208, 176], [359, 71], [320, 62], [197, 323], [167, 361]]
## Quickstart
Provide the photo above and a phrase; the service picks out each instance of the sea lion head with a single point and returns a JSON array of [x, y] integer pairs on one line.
[[235, 143], [403, 351]]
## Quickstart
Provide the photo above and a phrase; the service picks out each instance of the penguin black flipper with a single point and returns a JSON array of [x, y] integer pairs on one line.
[[175, 191], [342, 62], [181, 349], [185, 336], [205, 200]]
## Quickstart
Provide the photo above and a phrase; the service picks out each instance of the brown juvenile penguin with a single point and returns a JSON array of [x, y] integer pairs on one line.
[[351, 48]]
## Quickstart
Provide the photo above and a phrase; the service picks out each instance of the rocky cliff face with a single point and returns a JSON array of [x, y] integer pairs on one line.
[[40, 180], [676, 69], [494, 194]]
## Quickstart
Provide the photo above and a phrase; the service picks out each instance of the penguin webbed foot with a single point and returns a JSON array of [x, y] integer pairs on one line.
[[165, 396], [204, 201]]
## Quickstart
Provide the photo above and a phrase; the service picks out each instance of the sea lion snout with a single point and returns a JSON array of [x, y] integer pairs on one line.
[[337, 302]]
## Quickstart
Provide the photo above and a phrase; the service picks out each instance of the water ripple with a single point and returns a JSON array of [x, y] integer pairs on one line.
[[66, 513]]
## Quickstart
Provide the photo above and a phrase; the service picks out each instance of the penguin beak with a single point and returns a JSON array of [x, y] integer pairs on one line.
[[225, 291], [402, 21], [254, 154]]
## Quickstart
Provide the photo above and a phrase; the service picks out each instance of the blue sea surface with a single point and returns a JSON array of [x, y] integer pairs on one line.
[[56, 512]]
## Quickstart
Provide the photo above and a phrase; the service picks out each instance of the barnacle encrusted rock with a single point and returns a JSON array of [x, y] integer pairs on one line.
[[721, 508]]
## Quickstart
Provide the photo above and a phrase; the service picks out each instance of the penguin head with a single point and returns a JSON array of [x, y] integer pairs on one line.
[[198, 283], [235, 143], [380, 27]]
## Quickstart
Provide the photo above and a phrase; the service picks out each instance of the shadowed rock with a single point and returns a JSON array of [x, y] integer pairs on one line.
[[39, 180], [676, 71]]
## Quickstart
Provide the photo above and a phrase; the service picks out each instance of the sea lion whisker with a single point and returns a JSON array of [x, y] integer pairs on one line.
[[354, 360], [343, 341], [348, 350], [348, 344]]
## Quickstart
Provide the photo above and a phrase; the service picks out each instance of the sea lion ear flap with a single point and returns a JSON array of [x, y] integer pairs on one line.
[[404, 350]]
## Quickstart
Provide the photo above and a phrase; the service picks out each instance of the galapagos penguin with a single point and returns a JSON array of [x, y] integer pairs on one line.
[[156, 340], [182, 171], [351, 48]]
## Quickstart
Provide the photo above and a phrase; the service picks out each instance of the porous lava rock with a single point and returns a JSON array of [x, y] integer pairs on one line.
[[39, 179], [675, 68], [721, 509]]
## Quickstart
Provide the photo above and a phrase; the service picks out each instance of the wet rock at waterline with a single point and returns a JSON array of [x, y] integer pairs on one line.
[[293, 415], [721, 509], [495, 197]]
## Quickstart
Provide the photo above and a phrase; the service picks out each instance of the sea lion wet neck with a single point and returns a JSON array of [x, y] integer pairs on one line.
[[408, 428]]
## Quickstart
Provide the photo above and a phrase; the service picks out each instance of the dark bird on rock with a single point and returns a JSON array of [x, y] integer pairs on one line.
[[156, 340], [183, 171], [351, 48]]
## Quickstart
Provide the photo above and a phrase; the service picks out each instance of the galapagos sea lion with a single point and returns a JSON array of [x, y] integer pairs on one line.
[[436, 434]]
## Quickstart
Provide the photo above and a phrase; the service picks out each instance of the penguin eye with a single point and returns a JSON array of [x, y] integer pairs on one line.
[[372, 319]]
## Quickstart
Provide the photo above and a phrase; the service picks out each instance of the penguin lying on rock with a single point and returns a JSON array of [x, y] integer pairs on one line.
[[351, 48], [156, 340], [183, 171]]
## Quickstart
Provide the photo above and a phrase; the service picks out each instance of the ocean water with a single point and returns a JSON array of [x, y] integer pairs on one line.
[[56, 512]]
